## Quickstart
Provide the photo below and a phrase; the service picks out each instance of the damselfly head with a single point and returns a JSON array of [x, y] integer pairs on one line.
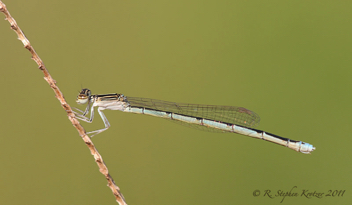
[[83, 96]]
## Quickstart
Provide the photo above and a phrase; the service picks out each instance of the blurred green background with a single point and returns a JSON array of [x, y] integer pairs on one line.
[[289, 61]]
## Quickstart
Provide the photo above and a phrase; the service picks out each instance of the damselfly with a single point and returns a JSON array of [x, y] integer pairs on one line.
[[209, 117]]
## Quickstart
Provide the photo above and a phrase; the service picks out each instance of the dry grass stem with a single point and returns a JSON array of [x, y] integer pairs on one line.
[[98, 159]]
